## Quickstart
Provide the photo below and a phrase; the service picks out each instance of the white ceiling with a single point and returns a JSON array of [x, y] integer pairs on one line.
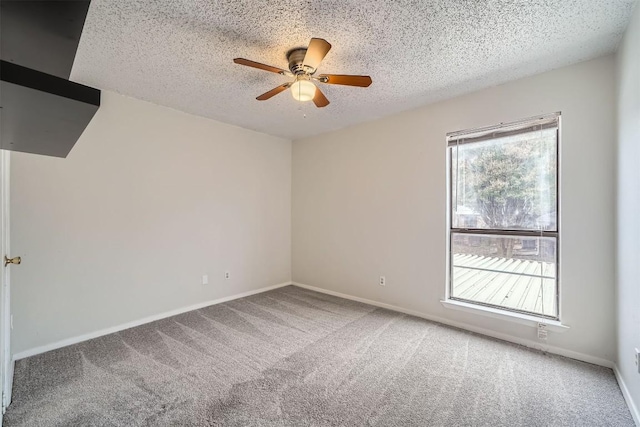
[[179, 53]]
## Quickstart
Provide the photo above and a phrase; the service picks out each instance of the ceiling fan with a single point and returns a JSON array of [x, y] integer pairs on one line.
[[303, 63]]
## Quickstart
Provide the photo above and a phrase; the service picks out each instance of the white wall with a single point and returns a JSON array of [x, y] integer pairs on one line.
[[628, 244], [370, 200], [148, 201]]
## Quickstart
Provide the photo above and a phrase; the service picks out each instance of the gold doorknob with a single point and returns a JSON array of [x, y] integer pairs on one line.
[[14, 260]]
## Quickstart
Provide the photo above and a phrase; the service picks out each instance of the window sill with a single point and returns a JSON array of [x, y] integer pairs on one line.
[[523, 319]]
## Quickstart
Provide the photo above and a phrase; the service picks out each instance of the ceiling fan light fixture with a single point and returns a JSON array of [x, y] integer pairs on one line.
[[303, 63], [303, 90]]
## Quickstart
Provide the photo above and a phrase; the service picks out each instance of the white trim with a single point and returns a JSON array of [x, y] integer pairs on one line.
[[627, 396], [10, 369], [153, 318], [525, 342], [6, 385], [528, 343], [521, 318]]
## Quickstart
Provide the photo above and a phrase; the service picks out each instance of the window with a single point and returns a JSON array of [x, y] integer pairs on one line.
[[503, 234]]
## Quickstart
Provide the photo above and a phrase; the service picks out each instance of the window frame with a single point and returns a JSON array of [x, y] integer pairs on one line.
[[451, 230]]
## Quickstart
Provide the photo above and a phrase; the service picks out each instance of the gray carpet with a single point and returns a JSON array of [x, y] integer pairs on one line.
[[292, 357]]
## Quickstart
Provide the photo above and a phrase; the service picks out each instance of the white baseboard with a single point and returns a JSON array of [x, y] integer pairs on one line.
[[528, 343], [627, 396], [107, 331], [525, 342]]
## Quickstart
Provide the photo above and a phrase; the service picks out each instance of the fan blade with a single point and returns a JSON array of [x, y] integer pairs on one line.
[[317, 50], [273, 92], [345, 79], [260, 66], [319, 99]]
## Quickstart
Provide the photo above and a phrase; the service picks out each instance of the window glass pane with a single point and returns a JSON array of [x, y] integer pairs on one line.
[[507, 183], [518, 273]]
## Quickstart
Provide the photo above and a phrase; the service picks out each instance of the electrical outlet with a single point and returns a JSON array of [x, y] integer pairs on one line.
[[227, 275], [542, 331], [383, 281], [205, 279]]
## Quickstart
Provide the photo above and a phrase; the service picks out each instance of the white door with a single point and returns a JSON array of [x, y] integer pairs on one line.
[[6, 364]]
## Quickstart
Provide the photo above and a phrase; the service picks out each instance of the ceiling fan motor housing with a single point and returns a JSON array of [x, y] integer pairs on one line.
[[296, 58]]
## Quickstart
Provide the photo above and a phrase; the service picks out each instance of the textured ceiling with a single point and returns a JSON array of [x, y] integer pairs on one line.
[[179, 53]]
